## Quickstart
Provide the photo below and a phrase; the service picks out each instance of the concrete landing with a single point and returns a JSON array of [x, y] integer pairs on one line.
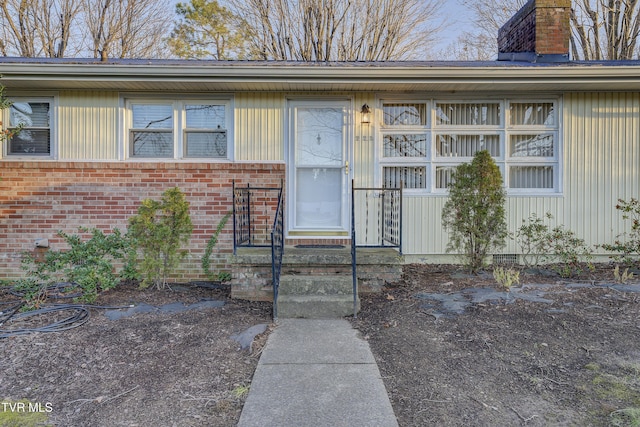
[[317, 372]]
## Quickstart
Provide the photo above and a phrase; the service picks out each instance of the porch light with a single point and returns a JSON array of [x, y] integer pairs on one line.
[[366, 114]]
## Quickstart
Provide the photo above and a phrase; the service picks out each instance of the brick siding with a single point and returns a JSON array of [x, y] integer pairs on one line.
[[39, 198]]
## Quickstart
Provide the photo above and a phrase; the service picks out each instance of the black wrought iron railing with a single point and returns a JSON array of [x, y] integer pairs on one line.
[[379, 211], [258, 221], [254, 209], [277, 250]]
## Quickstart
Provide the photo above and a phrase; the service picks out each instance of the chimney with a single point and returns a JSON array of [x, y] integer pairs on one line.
[[539, 32]]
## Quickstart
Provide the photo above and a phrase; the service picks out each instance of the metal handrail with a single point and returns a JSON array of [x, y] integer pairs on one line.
[[388, 233], [250, 228], [277, 251]]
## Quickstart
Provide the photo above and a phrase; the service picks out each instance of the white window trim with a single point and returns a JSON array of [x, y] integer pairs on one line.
[[504, 130], [52, 99], [179, 125]]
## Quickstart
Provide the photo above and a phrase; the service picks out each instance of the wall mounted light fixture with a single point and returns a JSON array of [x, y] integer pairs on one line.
[[366, 114]]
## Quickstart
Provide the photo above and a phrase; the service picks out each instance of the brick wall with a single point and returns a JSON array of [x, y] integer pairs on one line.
[[541, 27], [39, 198]]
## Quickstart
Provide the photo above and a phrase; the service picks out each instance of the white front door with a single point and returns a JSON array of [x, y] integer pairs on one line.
[[318, 168]]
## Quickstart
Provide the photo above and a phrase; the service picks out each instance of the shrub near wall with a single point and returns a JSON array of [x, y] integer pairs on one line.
[[39, 198]]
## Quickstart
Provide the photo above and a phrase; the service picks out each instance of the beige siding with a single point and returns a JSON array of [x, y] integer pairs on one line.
[[88, 125], [602, 161], [364, 143], [259, 126]]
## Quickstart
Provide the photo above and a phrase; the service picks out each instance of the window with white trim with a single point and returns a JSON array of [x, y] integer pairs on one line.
[[33, 117], [179, 129], [422, 142]]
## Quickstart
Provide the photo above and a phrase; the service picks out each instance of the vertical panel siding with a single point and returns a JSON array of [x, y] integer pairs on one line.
[[602, 161], [259, 126], [88, 125]]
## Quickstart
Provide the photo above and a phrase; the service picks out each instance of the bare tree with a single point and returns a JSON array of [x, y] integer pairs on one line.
[[126, 28], [36, 28], [339, 30], [605, 29]]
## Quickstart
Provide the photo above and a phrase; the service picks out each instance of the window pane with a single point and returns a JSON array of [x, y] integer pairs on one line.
[[151, 144], [532, 113], [206, 144], [31, 142], [318, 197], [152, 116], [531, 177], [409, 114], [405, 145], [444, 176], [540, 145], [412, 177], [456, 145], [471, 114], [29, 114], [205, 116]]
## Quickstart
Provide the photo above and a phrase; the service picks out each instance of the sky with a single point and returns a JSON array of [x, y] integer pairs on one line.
[[457, 20]]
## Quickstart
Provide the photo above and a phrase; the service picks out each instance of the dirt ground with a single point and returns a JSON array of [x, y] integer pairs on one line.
[[573, 360], [149, 369], [553, 352]]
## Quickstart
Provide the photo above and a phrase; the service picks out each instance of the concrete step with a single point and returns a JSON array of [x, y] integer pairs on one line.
[[316, 285], [315, 306]]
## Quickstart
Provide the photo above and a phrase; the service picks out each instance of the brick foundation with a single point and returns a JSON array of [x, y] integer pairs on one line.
[[39, 198]]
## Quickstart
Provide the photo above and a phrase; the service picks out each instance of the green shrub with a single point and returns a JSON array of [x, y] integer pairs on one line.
[[627, 245], [88, 264], [206, 257], [159, 230], [541, 244], [506, 277], [474, 214]]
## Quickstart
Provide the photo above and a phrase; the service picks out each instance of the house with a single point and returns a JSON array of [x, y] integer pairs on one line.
[[102, 136]]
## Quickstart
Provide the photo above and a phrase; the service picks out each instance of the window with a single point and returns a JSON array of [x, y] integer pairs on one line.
[[179, 129], [422, 142], [33, 116]]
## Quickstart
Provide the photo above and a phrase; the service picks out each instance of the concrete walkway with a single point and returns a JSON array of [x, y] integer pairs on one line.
[[317, 372]]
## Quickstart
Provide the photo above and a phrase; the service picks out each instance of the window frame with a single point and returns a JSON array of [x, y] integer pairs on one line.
[[505, 130], [179, 126], [53, 111]]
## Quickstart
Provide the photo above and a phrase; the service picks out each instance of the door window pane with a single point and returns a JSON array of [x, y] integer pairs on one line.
[[318, 197], [319, 136]]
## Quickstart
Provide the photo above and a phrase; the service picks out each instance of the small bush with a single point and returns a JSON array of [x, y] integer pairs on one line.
[[506, 277], [206, 257], [541, 244], [88, 264], [627, 245], [474, 214], [159, 230]]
